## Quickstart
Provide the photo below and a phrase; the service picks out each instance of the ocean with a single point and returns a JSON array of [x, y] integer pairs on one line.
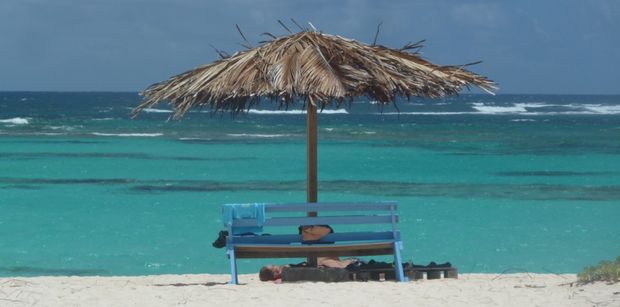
[[506, 183]]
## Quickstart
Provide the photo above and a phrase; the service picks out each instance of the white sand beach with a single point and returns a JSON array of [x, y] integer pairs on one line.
[[212, 290]]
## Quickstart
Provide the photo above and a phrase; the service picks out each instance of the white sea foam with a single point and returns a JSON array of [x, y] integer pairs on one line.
[[252, 111], [101, 119], [151, 110], [523, 120], [363, 132], [15, 121], [535, 104], [196, 139], [258, 135], [523, 108], [128, 134], [584, 109], [295, 112], [602, 109], [425, 113], [63, 127], [530, 108], [485, 109], [49, 133]]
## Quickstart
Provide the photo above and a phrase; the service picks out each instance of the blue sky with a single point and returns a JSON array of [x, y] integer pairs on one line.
[[558, 47]]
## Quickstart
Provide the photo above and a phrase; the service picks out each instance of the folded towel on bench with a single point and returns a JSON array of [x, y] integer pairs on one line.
[[245, 211]]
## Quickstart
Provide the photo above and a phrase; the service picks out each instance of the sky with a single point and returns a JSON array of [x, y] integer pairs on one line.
[[528, 47]]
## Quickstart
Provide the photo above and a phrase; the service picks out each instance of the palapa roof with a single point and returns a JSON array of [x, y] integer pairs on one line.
[[314, 67]]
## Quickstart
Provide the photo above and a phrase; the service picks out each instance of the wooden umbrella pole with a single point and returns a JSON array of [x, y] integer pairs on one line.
[[311, 147], [311, 124]]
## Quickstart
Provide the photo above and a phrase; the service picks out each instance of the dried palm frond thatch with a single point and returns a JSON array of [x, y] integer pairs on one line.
[[315, 67]]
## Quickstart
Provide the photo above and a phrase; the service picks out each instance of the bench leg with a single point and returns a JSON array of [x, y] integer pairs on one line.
[[398, 262], [233, 266]]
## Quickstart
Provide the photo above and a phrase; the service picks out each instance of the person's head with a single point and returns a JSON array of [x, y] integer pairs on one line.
[[270, 272]]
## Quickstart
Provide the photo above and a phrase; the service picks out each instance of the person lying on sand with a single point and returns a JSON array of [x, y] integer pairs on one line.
[[274, 272]]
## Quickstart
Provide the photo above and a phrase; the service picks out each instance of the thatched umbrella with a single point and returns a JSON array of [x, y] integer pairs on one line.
[[314, 68]]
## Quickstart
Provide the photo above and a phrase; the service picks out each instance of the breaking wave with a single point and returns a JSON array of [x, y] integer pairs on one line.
[[15, 121], [151, 110], [426, 113], [128, 134], [63, 127], [294, 112], [252, 135], [602, 109], [526, 108]]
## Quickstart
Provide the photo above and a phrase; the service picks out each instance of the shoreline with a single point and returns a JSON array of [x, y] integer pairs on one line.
[[519, 289]]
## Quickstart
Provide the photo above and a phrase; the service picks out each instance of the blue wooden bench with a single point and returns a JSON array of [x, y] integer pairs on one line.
[[361, 243]]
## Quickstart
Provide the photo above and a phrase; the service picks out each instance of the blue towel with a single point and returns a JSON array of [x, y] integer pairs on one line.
[[244, 211]]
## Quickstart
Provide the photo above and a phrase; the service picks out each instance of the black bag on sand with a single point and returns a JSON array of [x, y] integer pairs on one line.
[[365, 271], [293, 274]]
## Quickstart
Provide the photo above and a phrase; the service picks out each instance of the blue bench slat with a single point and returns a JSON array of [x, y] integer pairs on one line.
[[319, 220], [333, 237], [306, 207], [272, 239]]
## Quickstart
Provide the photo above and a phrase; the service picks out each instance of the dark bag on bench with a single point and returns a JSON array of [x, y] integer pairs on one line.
[[312, 234]]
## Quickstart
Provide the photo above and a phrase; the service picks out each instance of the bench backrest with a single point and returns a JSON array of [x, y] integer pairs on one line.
[[371, 213]]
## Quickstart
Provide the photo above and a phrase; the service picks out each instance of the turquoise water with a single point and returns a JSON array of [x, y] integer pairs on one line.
[[489, 183]]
